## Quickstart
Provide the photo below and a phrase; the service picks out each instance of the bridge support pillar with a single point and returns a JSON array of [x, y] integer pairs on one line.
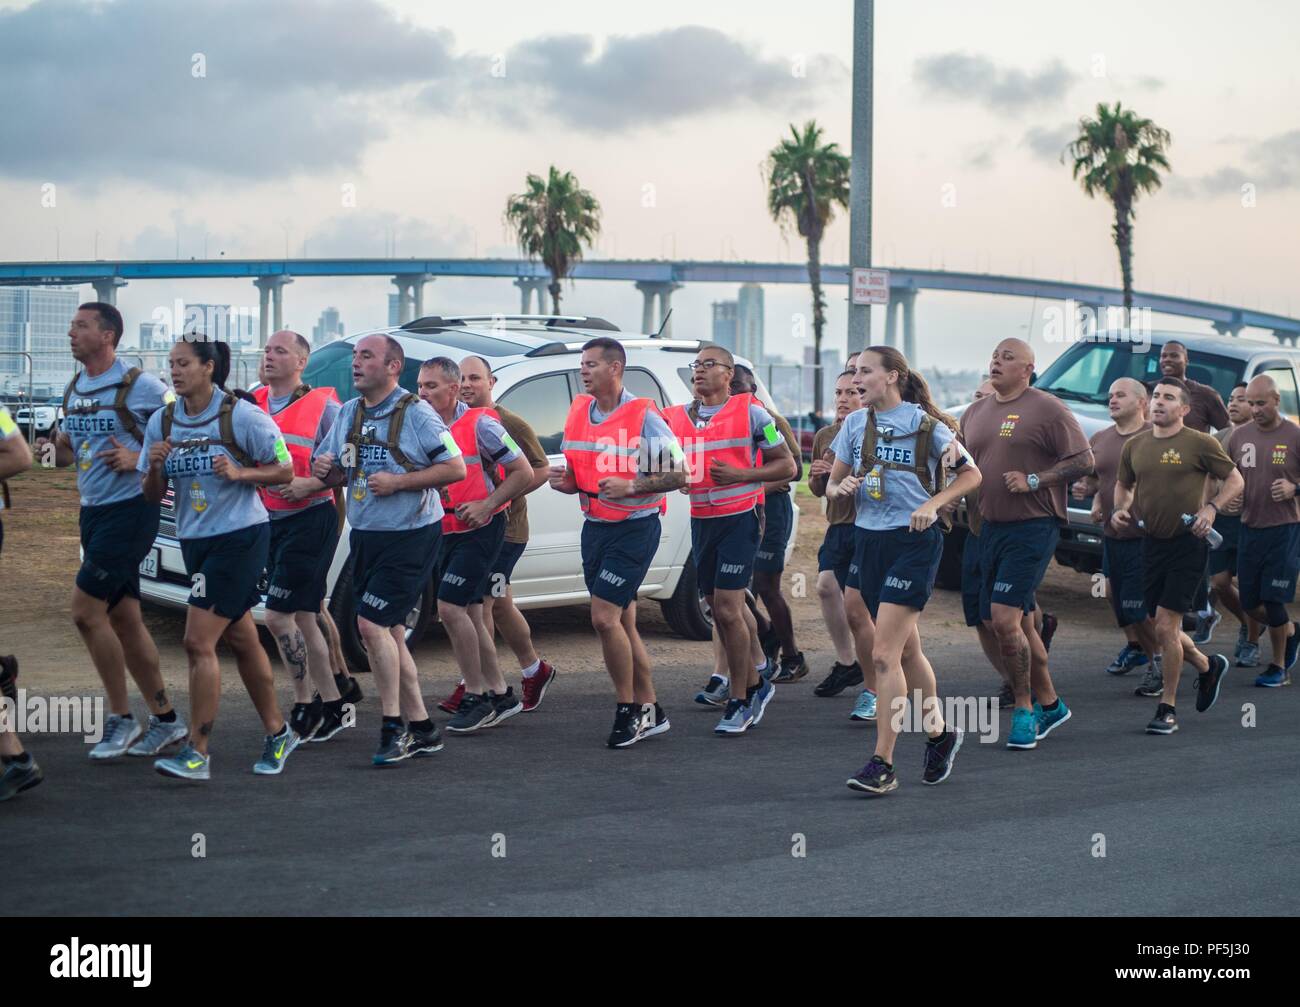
[[270, 288], [410, 291], [1232, 328], [650, 290], [106, 289], [1284, 336], [907, 302], [528, 286]]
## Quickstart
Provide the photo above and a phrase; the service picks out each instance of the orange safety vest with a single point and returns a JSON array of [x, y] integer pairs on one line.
[[475, 485], [297, 422], [596, 451], [726, 436]]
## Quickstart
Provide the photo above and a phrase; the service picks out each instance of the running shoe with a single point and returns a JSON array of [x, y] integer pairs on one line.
[[1165, 720], [452, 703], [504, 706], [1248, 655], [424, 742], [876, 777], [305, 718], [1153, 682], [627, 726], [939, 755], [771, 668], [758, 702], [394, 744], [1050, 720], [1243, 638], [1024, 729], [475, 711], [653, 720], [1273, 678], [713, 694], [120, 732], [276, 751], [349, 688], [1292, 646], [1006, 697], [792, 669], [19, 776], [160, 736], [736, 719], [841, 677], [332, 722], [1205, 627], [1050, 623], [534, 688], [9, 677], [864, 709], [771, 644], [1207, 683], [1126, 660], [187, 764]]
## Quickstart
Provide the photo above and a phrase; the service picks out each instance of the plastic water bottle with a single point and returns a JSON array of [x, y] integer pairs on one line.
[[1213, 538]]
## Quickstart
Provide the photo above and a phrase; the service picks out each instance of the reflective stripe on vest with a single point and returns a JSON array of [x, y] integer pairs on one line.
[[474, 486], [596, 451], [298, 423], [725, 437]]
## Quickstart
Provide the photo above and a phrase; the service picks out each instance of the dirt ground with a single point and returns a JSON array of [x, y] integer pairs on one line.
[[40, 559]]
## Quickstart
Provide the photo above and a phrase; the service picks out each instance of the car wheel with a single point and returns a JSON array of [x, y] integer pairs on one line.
[[685, 611], [343, 609], [949, 575]]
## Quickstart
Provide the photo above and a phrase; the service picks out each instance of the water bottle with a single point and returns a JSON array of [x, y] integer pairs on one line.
[[1213, 538]]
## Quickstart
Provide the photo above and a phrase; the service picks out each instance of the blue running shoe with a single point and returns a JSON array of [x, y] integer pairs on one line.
[[187, 764], [276, 751], [1024, 729], [758, 702], [1274, 678], [736, 719], [1126, 660], [1050, 720], [1292, 646], [865, 708], [713, 694]]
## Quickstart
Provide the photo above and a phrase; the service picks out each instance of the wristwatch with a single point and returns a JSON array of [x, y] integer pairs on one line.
[[1032, 479]]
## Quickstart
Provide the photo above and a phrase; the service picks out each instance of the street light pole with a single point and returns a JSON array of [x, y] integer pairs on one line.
[[859, 335]]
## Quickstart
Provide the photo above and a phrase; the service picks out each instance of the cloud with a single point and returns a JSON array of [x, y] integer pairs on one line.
[[355, 234], [965, 77], [1048, 142], [1272, 163]]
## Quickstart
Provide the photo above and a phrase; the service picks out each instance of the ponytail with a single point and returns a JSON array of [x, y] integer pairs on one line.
[[911, 386]]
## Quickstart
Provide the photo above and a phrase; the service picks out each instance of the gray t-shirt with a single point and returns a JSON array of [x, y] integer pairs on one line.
[[277, 403], [93, 432], [659, 449], [895, 442], [207, 504], [425, 441], [762, 426], [496, 447]]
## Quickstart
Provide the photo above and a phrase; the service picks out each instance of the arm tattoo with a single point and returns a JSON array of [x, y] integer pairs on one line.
[[294, 649], [658, 482], [1068, 469]]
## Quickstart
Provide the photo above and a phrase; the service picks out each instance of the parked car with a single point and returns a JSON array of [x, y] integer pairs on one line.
[[1081, 377], [44, 417], [535, 360]]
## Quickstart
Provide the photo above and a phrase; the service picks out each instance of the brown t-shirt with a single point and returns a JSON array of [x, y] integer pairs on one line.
[[1207, 408], [517, 428], [1107, 445], [841, 510], [1263, 456], [791, 442], [1169, 475], [1232, 509], [1029, 434]]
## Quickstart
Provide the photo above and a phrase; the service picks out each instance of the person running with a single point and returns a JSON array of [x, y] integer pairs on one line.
[[835, 557], [499, 609], [392, 452], [473, 530], [18, 769], [1267, 454], [216, 448], [1206, 410], [621, 459], [1035, 445], [304, 533], [1161, 477], [722, 436], [1223, 560], [106, 407], [778, 523], [888, 461]]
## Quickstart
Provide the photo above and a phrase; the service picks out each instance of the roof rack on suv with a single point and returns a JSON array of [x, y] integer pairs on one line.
[[550, 321], [431, 322], [638, 342]]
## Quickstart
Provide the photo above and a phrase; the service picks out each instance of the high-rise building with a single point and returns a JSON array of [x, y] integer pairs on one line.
[[328, 329], [35, 320], [154, 337], [751, 332], [394, 310], [726, 324], [236, 326]]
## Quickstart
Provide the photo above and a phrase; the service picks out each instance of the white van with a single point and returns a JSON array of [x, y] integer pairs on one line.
[[535, 359]]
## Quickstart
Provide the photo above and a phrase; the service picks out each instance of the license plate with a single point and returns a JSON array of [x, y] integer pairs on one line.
[[149, 565]]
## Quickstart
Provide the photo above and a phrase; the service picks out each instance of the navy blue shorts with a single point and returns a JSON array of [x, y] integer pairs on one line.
[[1267, 564], [466, 560], [1013, 558], [390, 569], [1225, 557], [503, 569], [1172, 570], [971, 582], [837, 551], [898, 566], [776, 533], [616, 556], [723, 549], [302, 549], [115, 538], [1121, 562], [225, 570]]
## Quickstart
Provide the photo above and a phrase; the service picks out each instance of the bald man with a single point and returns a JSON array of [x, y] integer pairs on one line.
[[1205, 409], [1035, 442], [1266, 452], [1223, 561]]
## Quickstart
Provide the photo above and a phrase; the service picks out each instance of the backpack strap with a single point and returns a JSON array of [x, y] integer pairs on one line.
[[125, 418], [168, 413], [298, 393], [395, 422], [67, 392], [226, 424]]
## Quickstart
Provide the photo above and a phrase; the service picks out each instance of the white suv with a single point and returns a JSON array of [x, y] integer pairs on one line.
[[535, 359]]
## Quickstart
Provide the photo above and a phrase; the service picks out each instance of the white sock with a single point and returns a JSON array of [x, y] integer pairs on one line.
[[533, 668], [725, 679], [760, 668]]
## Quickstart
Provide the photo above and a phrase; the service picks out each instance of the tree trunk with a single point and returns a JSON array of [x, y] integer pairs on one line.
[[1123, 232], [819, 315], [554, 289]]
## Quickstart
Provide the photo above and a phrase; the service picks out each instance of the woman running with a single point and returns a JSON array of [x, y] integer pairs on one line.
[[888, 458], [217, 447]]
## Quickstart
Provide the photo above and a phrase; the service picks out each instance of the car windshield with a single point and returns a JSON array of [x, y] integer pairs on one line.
[[1085, 372]]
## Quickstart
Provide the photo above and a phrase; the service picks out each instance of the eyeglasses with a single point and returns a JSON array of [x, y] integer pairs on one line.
[[707, 365]]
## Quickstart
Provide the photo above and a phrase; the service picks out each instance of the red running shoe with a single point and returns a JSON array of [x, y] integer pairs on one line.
[[452, 703], [535, 688]]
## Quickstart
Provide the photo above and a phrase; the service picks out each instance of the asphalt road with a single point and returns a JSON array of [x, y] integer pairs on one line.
[[1202, 822]]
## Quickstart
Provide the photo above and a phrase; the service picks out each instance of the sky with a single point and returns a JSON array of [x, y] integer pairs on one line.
[[241, 127]]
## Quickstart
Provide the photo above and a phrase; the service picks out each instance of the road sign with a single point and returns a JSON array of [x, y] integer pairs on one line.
[[870, 286]]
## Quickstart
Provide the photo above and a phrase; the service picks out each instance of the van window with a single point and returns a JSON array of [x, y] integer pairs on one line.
[[331, 367], [543, 402], [1085, 371], [1286, 387], [643, 385]]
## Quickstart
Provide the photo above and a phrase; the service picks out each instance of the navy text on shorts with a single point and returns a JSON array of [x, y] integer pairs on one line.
[[616, 556], [1013, 558], [390, 569]]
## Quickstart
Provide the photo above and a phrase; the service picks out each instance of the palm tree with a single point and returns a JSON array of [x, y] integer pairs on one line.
[[553, 218], [1119, 154], [806, 178]]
